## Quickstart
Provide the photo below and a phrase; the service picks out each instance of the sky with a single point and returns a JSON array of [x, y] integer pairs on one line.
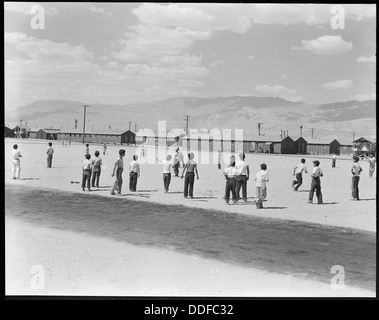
[[118, 53]]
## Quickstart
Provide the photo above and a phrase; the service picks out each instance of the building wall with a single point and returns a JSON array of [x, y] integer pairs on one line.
[[334, 147], [318, 149], [346, 150]]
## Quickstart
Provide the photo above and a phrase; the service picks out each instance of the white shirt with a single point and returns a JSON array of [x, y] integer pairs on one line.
[[50, 150], [261, 178], [16, 154], [86, 164], [300, 168], [317, 172], [167, 166], [230, 172], [134, 166], [241, 167]]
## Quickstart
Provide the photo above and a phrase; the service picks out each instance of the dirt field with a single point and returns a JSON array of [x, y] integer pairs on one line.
[[289, 238]]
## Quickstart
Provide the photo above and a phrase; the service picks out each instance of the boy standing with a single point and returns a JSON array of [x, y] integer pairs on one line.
[[16, 165], [371, 168], [242, 177], [50, 152], [356, 171], [167, 164], [316, 183], [119, 165], [87, 169], [96, 170], [261, 179], [298, 173], [334, 159], [134, 173], [230, 173], [190, 168], [87, 148]]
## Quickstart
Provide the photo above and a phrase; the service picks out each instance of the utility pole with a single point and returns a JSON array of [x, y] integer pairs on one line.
[[135, 127], [129, 125], [312, 129], [84, 121], [301, 131], [259, 128], [187, 121], [353, 135]]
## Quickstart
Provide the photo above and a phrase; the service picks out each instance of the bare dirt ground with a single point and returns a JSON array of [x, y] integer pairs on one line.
[[286, 249]]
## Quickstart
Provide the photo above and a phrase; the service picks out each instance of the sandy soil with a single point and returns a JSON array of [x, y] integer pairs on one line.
[[171, 242], [282, 202]]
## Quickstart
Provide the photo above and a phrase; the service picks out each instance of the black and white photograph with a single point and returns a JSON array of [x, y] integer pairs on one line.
[[190, 150]]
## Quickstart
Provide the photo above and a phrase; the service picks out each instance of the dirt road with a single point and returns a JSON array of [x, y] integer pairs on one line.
[[285, 247]]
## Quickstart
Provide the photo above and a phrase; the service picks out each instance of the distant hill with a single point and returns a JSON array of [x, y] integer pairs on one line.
[[236, 112]]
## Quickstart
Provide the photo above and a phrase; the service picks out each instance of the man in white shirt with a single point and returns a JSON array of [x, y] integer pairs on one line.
[[230, 173], [261, 179], [167, 165], [134, 173], [298, 173], [316, 183], [16, 164], [242, 177], [334, 159], [87, 171]]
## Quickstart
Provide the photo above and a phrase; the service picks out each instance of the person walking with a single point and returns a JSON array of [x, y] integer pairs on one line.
[[96, 170], [104, 148], [87, 169], [356, 171], [261, 179], [298, 173], [118, 169], [334, 159], [190, 168], [242, 177], [50, 152], [371, 168], [316, 183], [134, 173], [16, 163], [230, 173]]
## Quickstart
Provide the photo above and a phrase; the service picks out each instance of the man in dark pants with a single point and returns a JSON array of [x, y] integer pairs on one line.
[[96, 169], [356, 171], [191, 168], [242, 177], [119, 165], [167, 164], [298, 173], [87, 169], [134, 173], [316, 183], [50, 152], [230, 174]]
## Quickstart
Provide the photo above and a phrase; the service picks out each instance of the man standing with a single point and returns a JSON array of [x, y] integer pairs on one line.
[[334, 159], [298, 173], [134, 173], [16, 165], [356, 171], [230, 173], [167, 164], [50, 152], [242, 177], [316, 183], [119, 165], [191, 168]]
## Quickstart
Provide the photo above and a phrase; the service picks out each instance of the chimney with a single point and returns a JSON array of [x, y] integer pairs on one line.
[[20, 123], [301, 131], [287, 134], [281, 133]]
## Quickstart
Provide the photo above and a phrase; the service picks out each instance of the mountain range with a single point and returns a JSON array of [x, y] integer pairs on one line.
[[332, 120]]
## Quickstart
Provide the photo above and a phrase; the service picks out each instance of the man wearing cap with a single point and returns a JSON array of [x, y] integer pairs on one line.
[[230, 173], [356, 171], [316, 183]]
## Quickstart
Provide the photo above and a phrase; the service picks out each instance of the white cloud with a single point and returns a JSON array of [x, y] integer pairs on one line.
[[96, 9], [279, 91], [216, 63], [250, 57], [16, 37], [362, 97], [284, 76], [326, 46], [27, 7], [339, 84], [364, 59]]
